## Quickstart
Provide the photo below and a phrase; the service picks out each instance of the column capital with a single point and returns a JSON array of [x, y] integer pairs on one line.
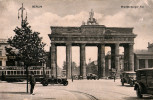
[[83, 44], [117, 43], [131, 44], [52, 44], [101, 44], [68, 43]]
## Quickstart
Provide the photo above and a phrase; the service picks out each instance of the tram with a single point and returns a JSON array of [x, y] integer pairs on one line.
[[20, 74]]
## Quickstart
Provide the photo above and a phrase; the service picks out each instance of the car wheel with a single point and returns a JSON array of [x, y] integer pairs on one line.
[[65, 83], [139, 95], [45, 84], [59, 81]]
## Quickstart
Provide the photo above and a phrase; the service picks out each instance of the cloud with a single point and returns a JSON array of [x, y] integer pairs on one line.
[[43, 22]]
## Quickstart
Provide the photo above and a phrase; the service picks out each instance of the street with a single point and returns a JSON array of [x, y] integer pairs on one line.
[[77, 90]]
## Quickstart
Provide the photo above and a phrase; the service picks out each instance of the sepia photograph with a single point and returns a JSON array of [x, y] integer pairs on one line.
[[76, 49]]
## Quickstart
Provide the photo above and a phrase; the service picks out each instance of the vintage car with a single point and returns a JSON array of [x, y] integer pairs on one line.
[[128, 77], [144, 82], [51, 80], [92, 76]]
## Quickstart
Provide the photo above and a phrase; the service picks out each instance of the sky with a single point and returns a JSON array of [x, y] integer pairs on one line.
[[72, 13]]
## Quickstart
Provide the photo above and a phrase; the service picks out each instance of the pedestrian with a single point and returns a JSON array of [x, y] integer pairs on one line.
[[3, 76], [114, 77], [72, 78], [32, 83]]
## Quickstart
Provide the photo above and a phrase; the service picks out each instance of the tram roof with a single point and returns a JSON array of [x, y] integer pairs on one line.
[[144, 69]]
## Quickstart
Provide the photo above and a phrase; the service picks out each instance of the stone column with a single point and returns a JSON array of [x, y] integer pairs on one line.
[[112, 56], [68, 60], [137, 63], [101, 61], [53, 61], [126, 57], [131, 58], [56, 60], [109, 63], [109, 66], [117, 63], [146, 63], [82, 61]]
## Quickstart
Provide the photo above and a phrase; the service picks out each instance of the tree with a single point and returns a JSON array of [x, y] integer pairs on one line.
[[29, 45], [75, 69]]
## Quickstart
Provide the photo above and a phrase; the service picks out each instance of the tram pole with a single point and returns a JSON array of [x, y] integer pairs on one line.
[[27, 73]]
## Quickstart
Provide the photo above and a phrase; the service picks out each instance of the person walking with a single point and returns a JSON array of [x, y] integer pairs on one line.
[[3, 76], [114, 77], [32, 83], [72, 78]]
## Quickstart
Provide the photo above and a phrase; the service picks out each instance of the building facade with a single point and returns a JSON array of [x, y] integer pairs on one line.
[[3, 57], [7, 62], [144, 58]]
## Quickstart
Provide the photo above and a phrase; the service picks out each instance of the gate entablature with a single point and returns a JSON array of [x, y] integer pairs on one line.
[[90, 33]]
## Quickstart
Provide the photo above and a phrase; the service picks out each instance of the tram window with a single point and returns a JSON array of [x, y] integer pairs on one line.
[[30, 72], [14, 72], [11, 72], [21, 72], [38, 72], [18, 72], [8, 72]]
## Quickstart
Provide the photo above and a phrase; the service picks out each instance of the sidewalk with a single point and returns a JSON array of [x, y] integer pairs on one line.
[[17, 91]]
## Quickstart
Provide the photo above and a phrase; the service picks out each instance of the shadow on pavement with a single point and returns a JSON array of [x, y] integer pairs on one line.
[[124, 85], [14, 93], [22, 83], [49, 98], [128, 86], [135, 98]]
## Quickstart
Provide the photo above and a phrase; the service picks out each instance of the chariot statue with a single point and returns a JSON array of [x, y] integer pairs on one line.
[[92, 20]]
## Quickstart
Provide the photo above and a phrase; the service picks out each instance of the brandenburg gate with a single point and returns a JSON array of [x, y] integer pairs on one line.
[[92, 34]]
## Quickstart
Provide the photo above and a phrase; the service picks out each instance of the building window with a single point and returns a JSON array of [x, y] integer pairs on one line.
[[141, 63], [150, 63]]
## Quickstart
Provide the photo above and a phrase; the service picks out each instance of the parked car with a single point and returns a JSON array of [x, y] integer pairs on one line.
[[51, 80], [128, 77], [80, 77], [144, 82], [76, 77], [92, 76], [111, 76]]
